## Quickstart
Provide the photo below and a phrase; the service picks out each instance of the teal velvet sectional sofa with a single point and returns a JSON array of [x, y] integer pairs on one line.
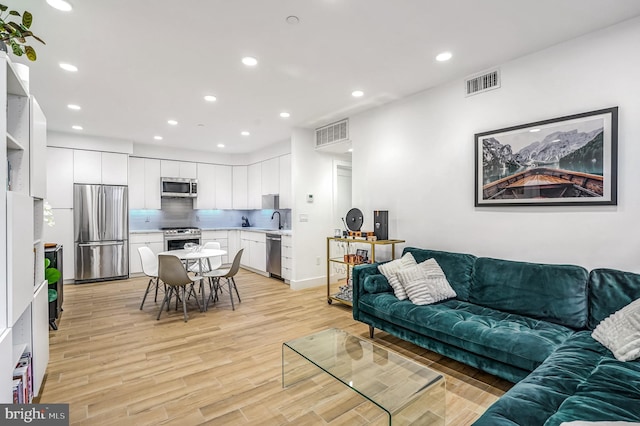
[[527, 323]]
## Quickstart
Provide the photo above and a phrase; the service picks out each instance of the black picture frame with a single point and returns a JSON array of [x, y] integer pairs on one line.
[[570, 160]]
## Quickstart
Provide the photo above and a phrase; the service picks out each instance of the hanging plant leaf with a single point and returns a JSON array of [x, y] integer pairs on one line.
[[15, 47], [21, 40], [31, 53], [47, 262], [27, 19], [14, 13], [3, 7], [53, 295], [38, 38]]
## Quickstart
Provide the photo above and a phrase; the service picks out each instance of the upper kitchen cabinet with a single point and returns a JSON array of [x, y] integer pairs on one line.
[[206, 199], [239, 182], [94, 167], [114, 168], [183, 169], [224, 187], [38, 150], [60, 178], [254, 186], [270, 176], [144, 183], [285, 182]]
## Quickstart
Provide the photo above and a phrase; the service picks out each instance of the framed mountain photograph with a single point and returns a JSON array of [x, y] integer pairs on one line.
[[558, 162]]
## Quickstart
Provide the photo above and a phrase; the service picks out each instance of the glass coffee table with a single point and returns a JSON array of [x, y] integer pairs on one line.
[[406, 391]]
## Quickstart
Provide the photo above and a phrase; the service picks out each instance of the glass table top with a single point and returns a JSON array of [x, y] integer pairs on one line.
[[388, 379]]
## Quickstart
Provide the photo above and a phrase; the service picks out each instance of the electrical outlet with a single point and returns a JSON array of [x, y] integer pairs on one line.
[[317, 260]]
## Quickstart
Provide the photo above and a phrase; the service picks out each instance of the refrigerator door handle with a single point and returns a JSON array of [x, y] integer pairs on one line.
[[101, 208], [102, 243]]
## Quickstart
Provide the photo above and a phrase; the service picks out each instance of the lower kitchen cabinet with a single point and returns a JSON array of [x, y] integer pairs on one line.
[[153, 240], [255, 250], [287, 257]]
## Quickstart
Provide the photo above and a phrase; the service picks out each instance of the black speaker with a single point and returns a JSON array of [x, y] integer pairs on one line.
[[381, 224]]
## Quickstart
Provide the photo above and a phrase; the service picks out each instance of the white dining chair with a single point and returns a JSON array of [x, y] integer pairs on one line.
[[150, 269], [211, 263]]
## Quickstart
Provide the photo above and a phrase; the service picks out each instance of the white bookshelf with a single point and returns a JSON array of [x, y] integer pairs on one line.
[[24, 311]]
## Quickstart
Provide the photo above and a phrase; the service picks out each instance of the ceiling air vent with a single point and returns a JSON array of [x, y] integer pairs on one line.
[[332, 134], [482, 82]]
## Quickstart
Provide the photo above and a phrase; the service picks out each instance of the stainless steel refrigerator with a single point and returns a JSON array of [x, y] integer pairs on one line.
[[101, 226]]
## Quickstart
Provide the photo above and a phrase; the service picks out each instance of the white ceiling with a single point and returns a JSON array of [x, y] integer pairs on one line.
[[142, 62]]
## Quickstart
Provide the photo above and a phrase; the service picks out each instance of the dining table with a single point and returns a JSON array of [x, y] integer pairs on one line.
[[199, 255]]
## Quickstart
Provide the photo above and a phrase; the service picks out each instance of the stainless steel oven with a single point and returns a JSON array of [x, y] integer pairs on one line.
[[176, 238]]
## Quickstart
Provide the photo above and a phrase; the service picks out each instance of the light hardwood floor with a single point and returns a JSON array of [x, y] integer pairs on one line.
[[115, 364]]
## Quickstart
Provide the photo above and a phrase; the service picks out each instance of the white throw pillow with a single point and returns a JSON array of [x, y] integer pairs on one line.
[[390, 269], [620, 332], [425, 283]]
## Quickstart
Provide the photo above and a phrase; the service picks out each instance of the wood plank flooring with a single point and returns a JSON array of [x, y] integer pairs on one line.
[[115, 364]]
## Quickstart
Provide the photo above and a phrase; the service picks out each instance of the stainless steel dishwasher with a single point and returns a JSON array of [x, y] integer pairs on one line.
[[274, 255]]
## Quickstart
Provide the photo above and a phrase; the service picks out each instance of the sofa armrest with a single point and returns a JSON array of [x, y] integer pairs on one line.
[[359, 274]]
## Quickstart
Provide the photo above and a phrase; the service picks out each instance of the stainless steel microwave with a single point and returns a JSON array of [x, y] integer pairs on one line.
[[179, 187]]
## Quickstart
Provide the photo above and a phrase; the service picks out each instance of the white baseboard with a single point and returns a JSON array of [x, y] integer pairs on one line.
[[308, 283]]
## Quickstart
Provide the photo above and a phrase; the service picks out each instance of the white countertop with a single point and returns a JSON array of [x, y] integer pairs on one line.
[[228, 228]]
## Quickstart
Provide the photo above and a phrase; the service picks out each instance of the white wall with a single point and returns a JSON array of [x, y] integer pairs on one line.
[[415, 158], [312, 173]]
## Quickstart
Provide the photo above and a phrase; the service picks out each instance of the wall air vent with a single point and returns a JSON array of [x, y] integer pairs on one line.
[[332, 134], [482, 82]]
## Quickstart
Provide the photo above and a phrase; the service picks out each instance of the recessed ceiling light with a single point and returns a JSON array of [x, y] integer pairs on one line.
[[68, 67], [245, 133], [350, 150], [158, 138], [60, 5], [534, 130], [444, 56], [285, 114], [220, 145], [76, 127], [250, 61], [172, 122], [293, 20], [357, 93], [210, 98], [74, 107]]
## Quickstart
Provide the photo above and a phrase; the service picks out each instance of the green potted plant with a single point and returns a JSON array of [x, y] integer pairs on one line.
[[52, 275], [14, 34]]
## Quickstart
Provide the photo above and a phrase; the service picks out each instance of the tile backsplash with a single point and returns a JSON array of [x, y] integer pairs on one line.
[[177, 212]]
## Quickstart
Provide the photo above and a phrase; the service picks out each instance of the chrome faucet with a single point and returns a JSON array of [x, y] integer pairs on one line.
[[273, 215]]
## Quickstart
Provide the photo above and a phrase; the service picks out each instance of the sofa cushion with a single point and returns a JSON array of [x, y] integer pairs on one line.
[[377, 284], [539, 395], [390, 270], [425, 283], [620, 332], [457, 267], [609, 291], [508, 338], [554, 293], [611, 392]]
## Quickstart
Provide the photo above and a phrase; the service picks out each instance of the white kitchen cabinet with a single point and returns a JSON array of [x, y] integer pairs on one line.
[[255, 250], [287, 257], [233, 243], [270, 171], [254, 186], [224, 187], [38, 150], [114, 168], [40, 337], [239, 183], [153, 240], [206, 199], [144, 184], [182, 169], [60, 177], [87, 167], [285, 182], [94, 167]]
